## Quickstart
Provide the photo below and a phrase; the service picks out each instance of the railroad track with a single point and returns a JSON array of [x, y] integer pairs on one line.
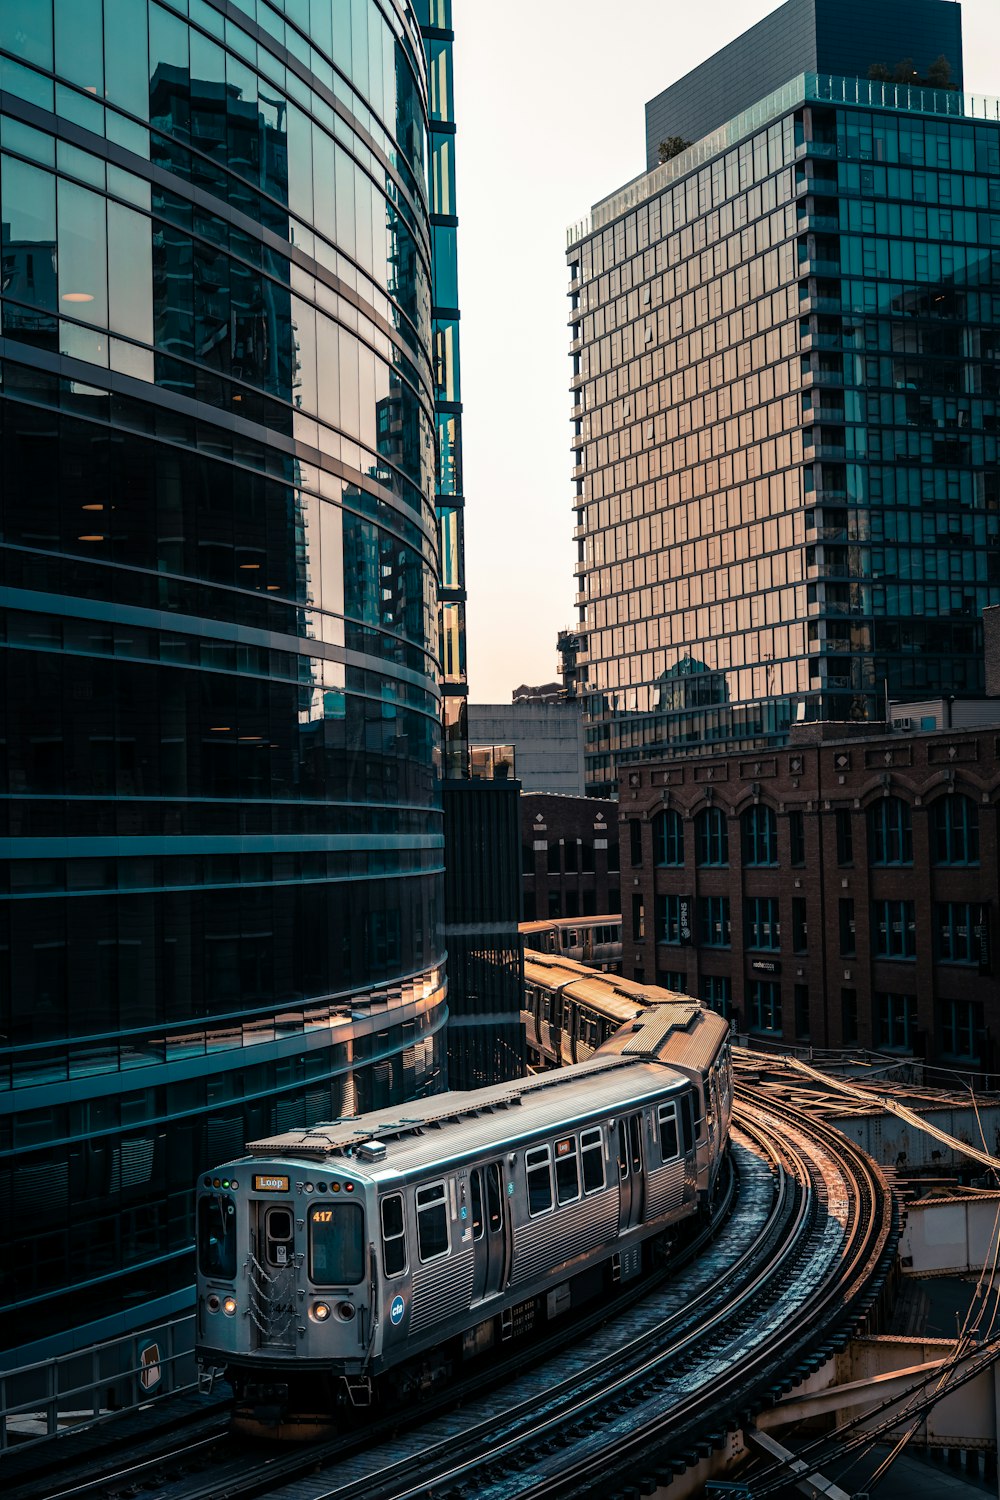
[[790, 1274]]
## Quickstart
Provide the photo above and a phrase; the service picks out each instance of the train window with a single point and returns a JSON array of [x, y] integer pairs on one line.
[[336, 1244], [592, 1153], [668, 1132], [622, 1150], [547, 1008], [687, 1121], [567, 1171], [279, 1234], [494, 1197], [635, 1142], [432, 1222], [477, 1204], [539, 1174], [217, 1236], [393, 1235]]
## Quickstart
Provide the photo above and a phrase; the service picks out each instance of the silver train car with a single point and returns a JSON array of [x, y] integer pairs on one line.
[[596, 941], [372, 1255], [570, 1010]]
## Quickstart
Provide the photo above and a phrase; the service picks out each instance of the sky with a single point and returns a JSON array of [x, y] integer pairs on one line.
[[549, 105]]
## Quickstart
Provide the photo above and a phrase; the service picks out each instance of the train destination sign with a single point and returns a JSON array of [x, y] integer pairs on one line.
[[270, 1184]]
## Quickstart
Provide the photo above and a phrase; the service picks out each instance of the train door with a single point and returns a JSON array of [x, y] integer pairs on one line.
[[271, 1266], [631, 1173], [489, 1231]]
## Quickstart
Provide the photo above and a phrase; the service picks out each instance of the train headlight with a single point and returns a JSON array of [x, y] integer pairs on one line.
[[345, 1311], [229, 1307], [214, 1303], [321, 1311]]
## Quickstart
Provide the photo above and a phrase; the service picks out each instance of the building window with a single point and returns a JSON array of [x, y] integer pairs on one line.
[[894, 929], [672, 979], [765, 1005], [527, 859], [717, 992], [848, 938], [569, 855], [845, 837], [638, 919], [955, 831], [961, 1023], [711, 837], [555, 903], [849, 1016], [672, 919], [797, 838], [890, 833], [635, 841], [668, 838], [760, 836], [896, 1021], [761, 926], [713, 921], [800, 927], [553, 859], [956, 936], [802, 1012]]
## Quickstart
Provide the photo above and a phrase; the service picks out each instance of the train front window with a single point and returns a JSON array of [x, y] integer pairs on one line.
[[476, 1187], [336, 1244], [635, 1142], [217, 1236], [592, 1154], [687, 1121]]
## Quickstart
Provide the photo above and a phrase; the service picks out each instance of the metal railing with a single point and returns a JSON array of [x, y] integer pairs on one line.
[[822, 87], [42, 1401]]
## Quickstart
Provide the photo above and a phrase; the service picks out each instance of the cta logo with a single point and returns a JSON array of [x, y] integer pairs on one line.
[[397, 1309]]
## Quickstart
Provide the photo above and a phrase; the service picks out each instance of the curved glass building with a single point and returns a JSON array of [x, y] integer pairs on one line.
[[219, 705]]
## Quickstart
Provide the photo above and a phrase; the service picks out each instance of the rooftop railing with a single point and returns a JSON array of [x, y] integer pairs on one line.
[[870, 93]]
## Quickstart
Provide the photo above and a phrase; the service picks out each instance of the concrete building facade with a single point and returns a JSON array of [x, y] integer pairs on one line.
[[547, 740]]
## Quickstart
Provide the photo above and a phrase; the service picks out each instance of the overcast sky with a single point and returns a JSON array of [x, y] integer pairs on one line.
[[549, 106]]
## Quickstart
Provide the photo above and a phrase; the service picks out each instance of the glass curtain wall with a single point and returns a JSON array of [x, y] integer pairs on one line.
[[219, 701]]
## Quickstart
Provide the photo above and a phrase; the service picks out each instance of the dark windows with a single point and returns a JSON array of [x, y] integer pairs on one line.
[[538, 1168], [638, 919], [394, 1235], [673, 919], [761, 924], [955, 831], [592, 1159], [894, 929], [567, 1171], [672, 979], [713, 921], [635, 841], [552, 859], [956, 937], [760, 835], [217, 1236], [890, 833], [796, 838], [800, 926], [711, 836], [669, 1139], [848, 940], [687, 1113], [432, 1221], [717, 992], [845, 836], [668, 838], [896, 1021], [961, 1023], [494, 1198], [765, 1005], [336, 1244]]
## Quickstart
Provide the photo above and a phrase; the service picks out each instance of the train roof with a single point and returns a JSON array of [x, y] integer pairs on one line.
[[448, 1127], [657, 1050]]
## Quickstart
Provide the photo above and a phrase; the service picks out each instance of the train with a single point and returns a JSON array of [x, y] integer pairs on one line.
[[368, 1258], [589, 940], [570, 1010]]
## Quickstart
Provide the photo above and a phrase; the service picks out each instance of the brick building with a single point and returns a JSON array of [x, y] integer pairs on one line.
[[569, 856], [841, 891]]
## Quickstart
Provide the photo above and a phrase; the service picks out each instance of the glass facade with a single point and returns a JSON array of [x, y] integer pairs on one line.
[[221, 910], [435, 17], [785, 388]]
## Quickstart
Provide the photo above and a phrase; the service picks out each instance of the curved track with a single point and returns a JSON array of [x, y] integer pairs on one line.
[[793, 1270]]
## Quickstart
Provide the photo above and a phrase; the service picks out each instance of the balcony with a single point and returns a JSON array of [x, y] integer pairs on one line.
[[821, 377], [816, 266], [824, 149], [809, 341], [819, 223], [823, 412]]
